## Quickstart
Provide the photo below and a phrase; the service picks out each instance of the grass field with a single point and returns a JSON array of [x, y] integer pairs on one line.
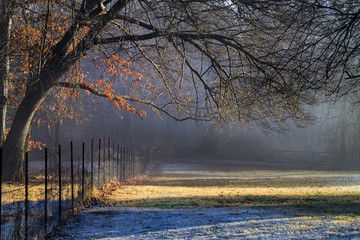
[[189, 185], [16, 192]]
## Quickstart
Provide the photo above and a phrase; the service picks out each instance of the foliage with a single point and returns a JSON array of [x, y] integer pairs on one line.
[[37, 28]]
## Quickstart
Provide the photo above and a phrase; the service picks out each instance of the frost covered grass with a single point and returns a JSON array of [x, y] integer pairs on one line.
[[205, 223]]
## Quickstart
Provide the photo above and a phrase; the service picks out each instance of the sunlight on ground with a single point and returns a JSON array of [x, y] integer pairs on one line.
[[316, 190], [15, 192], [157, 191]]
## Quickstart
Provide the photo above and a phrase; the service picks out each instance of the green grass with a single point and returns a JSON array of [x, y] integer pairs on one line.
[[348, 205]]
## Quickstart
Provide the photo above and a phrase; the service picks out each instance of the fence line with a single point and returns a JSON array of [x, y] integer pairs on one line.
[[54, 183]]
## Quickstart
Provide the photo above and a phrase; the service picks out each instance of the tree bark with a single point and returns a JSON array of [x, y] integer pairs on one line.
[[5, 26], [14, 145]]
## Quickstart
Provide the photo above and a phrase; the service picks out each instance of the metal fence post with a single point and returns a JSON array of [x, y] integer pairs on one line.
[[83, 171], [92, 165], [0, 189], [122, 171], [109, 148], [124, 163], [144, 163], [132, 162], [112, 159], [127, 163], [72, 174], [121, 165], [104, 161], [46, 188], [60, 210], [117, 164], [99, 163], [135, 163], [26, 194]]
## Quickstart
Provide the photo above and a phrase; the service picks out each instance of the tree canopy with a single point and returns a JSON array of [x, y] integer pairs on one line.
[[240, 61]]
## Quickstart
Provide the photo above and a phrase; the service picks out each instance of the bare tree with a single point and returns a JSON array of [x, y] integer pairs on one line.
[[6, 12], [330, 39], [234, 61]]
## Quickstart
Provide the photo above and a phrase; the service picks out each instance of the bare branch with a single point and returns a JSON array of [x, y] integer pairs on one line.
[[125, 97]]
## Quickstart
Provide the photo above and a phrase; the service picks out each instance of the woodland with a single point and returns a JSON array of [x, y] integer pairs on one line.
[[259, 63]]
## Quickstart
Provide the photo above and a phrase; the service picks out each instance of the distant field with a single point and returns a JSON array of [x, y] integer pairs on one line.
[[219, 185]]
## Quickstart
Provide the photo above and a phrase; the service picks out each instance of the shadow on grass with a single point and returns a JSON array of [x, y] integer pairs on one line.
[[257, 182], [114, 223], [261, 213], [321, 204]]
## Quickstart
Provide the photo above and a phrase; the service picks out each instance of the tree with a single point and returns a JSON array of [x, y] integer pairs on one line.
[[329, 36], [6, 12], [232, 61]]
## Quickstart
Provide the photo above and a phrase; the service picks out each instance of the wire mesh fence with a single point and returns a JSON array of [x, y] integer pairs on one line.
[[54, 183]]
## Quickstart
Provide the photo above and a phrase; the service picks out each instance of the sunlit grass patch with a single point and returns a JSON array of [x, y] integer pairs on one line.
[[312, 194], [16, 192], [12, 193]]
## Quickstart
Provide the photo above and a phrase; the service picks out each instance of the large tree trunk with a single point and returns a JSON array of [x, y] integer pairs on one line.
[[5, 26], [14, 145]]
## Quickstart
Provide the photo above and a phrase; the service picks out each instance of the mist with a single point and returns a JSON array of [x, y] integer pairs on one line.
[[329, 142]]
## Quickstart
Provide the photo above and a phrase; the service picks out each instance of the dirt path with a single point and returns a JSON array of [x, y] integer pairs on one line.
[[227, 204]]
